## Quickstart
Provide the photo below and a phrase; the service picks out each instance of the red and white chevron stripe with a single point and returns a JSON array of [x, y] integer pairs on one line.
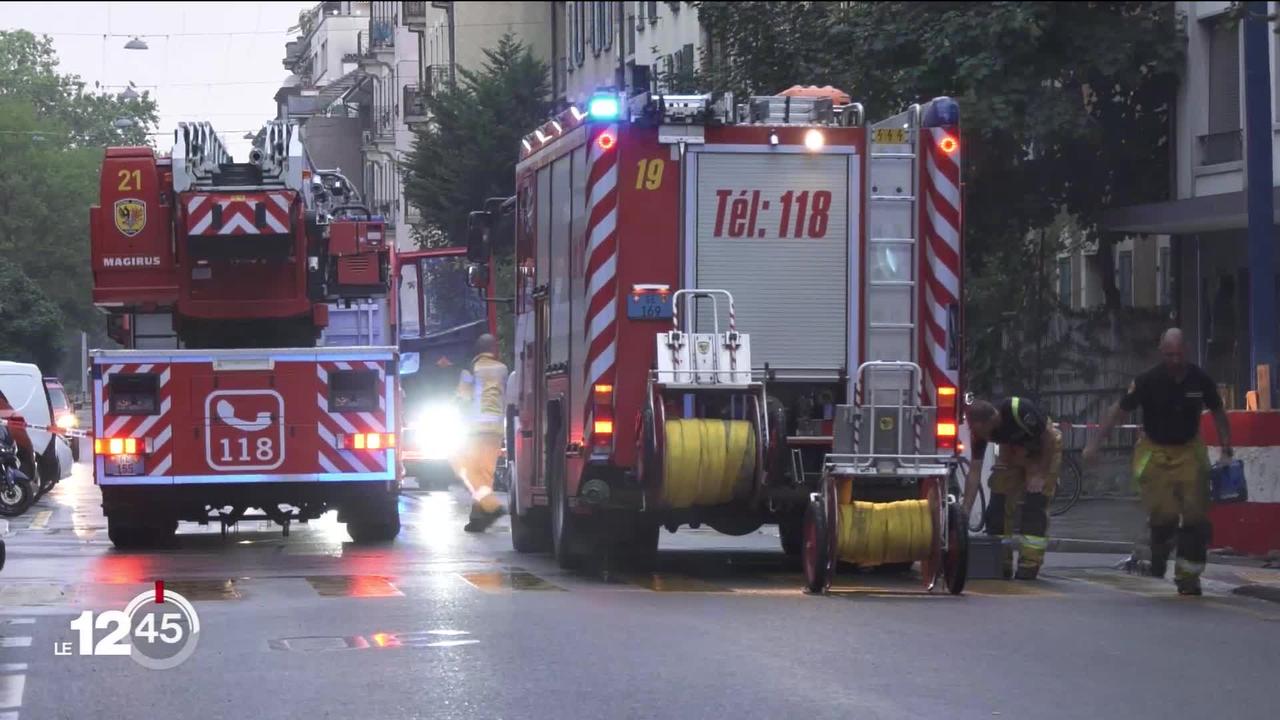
[[330, 424], [156, 428], [239, 212], [940, 226], [602, 263]]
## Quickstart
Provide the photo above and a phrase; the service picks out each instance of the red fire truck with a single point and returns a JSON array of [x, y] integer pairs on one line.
[[703, 287], [218, 278]]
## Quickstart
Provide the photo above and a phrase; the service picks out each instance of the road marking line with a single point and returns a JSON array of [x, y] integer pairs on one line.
[[11, 689], [40, 520], [12, 715], [16, 641], [13, 667], [18, 621]]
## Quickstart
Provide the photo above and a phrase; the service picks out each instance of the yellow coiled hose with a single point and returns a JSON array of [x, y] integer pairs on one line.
[[880, 533], [707, 460]]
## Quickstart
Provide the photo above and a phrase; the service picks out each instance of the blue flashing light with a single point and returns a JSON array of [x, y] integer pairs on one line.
[[941, 112], [604, 107]]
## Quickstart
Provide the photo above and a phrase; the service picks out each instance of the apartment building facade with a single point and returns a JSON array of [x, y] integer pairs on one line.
[[1207, 218]]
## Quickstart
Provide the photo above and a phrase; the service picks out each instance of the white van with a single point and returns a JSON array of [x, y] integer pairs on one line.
[[23, 395]]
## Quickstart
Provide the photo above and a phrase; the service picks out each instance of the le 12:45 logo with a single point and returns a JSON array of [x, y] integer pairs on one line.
[[157, 630]]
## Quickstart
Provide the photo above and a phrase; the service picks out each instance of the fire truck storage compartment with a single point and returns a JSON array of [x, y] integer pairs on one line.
[[130, 230], [774, 230]]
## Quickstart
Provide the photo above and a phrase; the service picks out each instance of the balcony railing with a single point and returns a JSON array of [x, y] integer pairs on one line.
[[414, 13], [382, 33], [437, 78], [1221, 147], [414, 104]]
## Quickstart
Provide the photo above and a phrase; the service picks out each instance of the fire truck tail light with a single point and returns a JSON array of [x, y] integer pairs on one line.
[[119, 446], [948, 144], [947, 420], [606, 140], [814, 140], [602, 415], [367, 441]]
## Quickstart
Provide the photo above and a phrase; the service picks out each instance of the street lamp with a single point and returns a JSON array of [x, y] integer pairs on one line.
[[136, 44], [129, 94]]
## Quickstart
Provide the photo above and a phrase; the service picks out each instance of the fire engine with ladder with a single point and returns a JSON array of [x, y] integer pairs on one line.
[[739, 314], [218, 279]]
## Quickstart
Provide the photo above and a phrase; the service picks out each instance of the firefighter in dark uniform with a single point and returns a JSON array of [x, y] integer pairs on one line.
[[1170, 462], [1029, 457]]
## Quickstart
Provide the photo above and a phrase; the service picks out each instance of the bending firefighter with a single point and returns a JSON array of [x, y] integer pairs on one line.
[[482, 389], [1170, 462], [1029, 457]]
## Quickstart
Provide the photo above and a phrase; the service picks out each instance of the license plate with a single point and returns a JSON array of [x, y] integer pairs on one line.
[[124, 465], [889, 136], [649, 306]]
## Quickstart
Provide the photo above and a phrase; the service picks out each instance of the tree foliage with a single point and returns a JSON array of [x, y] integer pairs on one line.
[[1064, 106], [467, 153], [51, 135]]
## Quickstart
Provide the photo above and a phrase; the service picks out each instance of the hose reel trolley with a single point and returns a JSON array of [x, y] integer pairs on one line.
[[704, 428], [883, 498]]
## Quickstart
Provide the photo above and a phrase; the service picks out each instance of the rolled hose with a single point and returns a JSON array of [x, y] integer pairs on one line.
[[707, 461], [880, 533]]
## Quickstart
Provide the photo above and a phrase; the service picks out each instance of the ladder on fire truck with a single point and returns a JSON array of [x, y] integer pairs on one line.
[[200, 160], [893, 262]]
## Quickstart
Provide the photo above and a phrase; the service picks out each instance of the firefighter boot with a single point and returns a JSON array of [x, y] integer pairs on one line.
[[1034, 539], [1161, 546], [997, 522], [1193, 540]]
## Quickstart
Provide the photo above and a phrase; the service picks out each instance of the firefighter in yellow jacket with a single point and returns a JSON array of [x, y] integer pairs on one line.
[[482, 391], [1026, 471], [1170, 462]]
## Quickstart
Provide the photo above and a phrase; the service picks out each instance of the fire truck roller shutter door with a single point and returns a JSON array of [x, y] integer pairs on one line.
[[708, 462], [773, 229]]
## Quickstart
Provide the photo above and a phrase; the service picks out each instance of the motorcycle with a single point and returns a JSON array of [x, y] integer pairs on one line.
[[17, 491]]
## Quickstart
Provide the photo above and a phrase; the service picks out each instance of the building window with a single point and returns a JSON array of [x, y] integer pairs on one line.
[[1223, 141], [1124, 277], [580, 39], [596, 12], [1163, 274], [652, 8], [606, 26], [1064, 281]]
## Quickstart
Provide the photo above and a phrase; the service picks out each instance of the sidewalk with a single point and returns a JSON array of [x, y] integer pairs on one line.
[[1118, 527]]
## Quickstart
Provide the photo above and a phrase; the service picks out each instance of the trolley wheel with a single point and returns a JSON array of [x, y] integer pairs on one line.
[[816, 551], [821, 538], [955, 562], [931, 566]]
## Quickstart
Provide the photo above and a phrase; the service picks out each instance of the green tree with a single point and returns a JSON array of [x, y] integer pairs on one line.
[[1064, 106], [52, 131], [468, 152], [30, 324]]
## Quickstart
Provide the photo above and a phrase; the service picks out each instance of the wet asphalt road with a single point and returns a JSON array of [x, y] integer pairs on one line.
[[447, 625]]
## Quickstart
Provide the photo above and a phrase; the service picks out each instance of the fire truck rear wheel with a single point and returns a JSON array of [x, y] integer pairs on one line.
[[375, 528], [791, 533], [564, 528], [638, 547], [529, 532]]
